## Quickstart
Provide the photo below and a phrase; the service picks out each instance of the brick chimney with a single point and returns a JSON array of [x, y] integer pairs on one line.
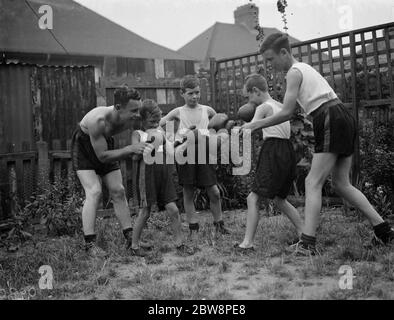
[[247, 15]]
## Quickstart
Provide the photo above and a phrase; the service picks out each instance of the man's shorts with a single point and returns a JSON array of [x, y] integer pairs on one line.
[[84, 157], [155, 185], [275, 170], [335, 129]]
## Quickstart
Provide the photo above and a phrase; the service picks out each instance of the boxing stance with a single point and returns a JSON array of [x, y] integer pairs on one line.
[[335, 131], [154, 182], [196, 175], [276, 166], [95, 159]]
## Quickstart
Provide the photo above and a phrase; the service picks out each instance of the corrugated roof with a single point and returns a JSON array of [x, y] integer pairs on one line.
[[80, 30], [224, 40], [16, 64]]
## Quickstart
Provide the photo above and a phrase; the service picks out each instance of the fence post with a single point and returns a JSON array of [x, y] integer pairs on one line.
[[43, 165], [12, 181], [204, 90], [355, 102], [56, 163], [70, 170], [212, 71]]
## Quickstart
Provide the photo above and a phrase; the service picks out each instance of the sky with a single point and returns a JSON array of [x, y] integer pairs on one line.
[[173, 23]]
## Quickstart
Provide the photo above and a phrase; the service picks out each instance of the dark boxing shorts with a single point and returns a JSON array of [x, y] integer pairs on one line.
[[155, 185], [84, 157], [335, 129], [276, 169], [197, 175]]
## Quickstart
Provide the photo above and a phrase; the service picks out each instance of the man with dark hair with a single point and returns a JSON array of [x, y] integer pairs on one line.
[[195, 175], [93, 156], [335, 133]]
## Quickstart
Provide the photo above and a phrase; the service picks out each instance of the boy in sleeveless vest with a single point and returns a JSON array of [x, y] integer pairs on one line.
[[154, 182], [335, 131], [192, 176], [276, 166]]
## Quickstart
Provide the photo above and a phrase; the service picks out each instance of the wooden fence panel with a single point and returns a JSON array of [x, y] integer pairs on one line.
[[354, 64], [17, 180], [331, 57]]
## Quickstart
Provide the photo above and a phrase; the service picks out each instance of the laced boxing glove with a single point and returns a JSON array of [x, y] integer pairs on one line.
[[246, 112], [218, 121]]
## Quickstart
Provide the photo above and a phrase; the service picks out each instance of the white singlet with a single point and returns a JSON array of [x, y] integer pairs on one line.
[[314, 90]]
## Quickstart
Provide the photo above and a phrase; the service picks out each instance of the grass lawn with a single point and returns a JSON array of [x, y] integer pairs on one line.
[[217, 271]]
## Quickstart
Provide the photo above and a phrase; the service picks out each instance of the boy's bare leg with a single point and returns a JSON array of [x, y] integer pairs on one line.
[[92, 186], [215, 204], [188, 202], [173, 213], [140, 223], [216, 209], [252, 220], [113, 181], [291, 212], [322, 165], [346, 190]]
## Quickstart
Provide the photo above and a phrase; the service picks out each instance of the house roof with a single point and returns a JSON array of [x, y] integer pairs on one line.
[[225, 40], [80, 30]]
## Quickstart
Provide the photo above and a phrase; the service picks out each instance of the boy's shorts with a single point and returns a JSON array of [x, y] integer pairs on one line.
[[335, 129], [159, 185], [197, 175], [84, 157], [275, 170]]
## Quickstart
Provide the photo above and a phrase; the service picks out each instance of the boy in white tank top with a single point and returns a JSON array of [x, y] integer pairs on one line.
[[192, 176], [335, 132], [276, 166]]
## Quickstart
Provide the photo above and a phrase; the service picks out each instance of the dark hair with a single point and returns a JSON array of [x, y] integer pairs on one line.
[[124, 94], [256, 80], [189, 82], [149, 108], [276, 42]]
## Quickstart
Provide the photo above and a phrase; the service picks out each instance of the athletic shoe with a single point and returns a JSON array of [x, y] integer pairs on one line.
[[219, 228], [94, 251], [302, 249], [146, 245], [389, 237], [243, 250], [294, 241], [140, 252], [194, 227], [185, 250], [387, 240]]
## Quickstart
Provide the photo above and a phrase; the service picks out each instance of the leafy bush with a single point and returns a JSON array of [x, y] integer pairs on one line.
[[302, 138], [58, 208], [234, 190], [377, 164]]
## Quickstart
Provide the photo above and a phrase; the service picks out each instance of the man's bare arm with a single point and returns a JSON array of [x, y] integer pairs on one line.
[[294, 79], [100, 146]]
